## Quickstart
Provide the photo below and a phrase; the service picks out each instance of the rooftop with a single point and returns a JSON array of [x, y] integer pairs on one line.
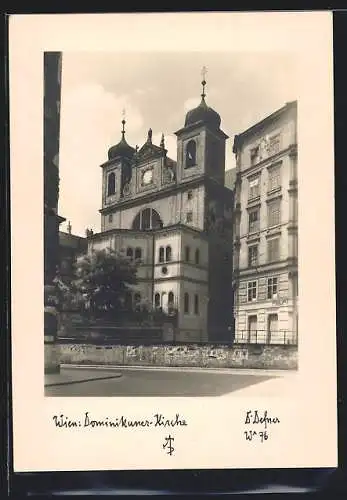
[[239, 138]]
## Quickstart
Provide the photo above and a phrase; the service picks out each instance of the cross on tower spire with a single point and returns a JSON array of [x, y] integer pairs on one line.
[[123, 123], [203, 83]]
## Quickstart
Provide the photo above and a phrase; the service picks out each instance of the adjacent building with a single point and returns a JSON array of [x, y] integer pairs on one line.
[[70, 247], [266, 230], [175, 219]]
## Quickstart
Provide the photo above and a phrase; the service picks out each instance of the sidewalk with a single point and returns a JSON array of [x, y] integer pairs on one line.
[[83, 374], [195, 369]]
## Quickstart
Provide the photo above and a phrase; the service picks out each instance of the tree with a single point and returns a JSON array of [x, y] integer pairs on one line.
[[102, 279]]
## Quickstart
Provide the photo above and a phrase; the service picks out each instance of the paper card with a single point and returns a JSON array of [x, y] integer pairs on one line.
[[195, 401]]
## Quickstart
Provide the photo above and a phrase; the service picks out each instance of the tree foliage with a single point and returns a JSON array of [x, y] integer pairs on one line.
[[102, 279], [99, 289]]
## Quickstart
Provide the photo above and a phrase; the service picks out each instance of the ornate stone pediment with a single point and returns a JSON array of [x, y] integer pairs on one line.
[[149, 151]]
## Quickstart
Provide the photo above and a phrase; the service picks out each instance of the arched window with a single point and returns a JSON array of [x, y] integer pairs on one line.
[[186, 303], [156, 222], [168, 254], [138, 253], [187, 254], [196, 304], [111, 184], [147, 219], [137, 221], [191, 154], [130, 253], [170, 299], [157, 300], [161, 254], [197, 256]]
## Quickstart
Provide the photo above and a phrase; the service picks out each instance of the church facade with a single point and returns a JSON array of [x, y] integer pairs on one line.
[[175, 219]]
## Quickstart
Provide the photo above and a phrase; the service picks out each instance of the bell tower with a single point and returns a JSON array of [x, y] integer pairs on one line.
[[117, 170], [201, 143]]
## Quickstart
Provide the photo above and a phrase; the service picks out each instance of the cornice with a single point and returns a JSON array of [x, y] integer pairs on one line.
[[179, 227], [289, 265], [180, 262], [166, 191], [240, 138], [201, 124]]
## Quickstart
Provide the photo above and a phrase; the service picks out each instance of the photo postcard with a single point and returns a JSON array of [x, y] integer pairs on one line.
[[172, 239]]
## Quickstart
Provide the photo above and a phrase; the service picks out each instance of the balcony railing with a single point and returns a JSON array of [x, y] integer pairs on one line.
[[279, 337]]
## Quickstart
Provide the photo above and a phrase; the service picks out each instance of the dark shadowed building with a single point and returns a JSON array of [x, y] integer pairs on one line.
[[51, 126], [70, 247]]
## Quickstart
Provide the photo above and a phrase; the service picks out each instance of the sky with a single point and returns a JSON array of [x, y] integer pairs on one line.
[[155, 90]]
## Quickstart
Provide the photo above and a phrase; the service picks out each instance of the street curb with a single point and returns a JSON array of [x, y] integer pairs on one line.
[[238, 371], [92, 379]]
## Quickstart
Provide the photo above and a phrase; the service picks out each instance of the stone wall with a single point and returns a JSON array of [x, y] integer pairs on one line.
[[52, 361], [243, 356]]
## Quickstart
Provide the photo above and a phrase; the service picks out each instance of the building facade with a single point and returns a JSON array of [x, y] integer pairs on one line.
[[266, 230], [70, 247], [174, 218]]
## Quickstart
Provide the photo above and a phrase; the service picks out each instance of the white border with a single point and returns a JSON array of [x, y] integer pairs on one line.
[[307, 435]]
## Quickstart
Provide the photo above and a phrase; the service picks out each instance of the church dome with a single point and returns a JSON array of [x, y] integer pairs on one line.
[[122, 149], [203, 113]]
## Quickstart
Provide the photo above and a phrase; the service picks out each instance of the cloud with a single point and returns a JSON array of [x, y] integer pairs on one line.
[[90, 124], [143, 91], [156, 91], [191, 103]]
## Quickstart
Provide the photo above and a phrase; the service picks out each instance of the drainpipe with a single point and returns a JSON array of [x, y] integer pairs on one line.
[[153, 268]]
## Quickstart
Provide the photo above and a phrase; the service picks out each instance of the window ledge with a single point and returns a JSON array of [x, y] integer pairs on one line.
[[253, 235], [253, 267], [253, 201], [272, 262], [273, 230], [272, 192]]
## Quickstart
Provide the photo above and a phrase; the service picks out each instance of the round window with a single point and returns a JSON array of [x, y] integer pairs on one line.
[[164, 270]]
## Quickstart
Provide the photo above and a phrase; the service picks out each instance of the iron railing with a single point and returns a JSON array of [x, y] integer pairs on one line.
[[155, 336], [279, 337]]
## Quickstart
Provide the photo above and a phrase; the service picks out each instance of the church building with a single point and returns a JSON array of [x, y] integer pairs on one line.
[[175, 219]]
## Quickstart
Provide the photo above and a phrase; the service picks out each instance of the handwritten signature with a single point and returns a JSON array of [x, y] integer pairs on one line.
[[260, 420]]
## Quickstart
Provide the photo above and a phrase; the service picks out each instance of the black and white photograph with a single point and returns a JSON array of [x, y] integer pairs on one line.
[[173, 242], [178, 268]]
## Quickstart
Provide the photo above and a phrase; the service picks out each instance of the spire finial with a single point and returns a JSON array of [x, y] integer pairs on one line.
[[69, 227], [149, 136], [162, 142], [123, 123], [203, 83]]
